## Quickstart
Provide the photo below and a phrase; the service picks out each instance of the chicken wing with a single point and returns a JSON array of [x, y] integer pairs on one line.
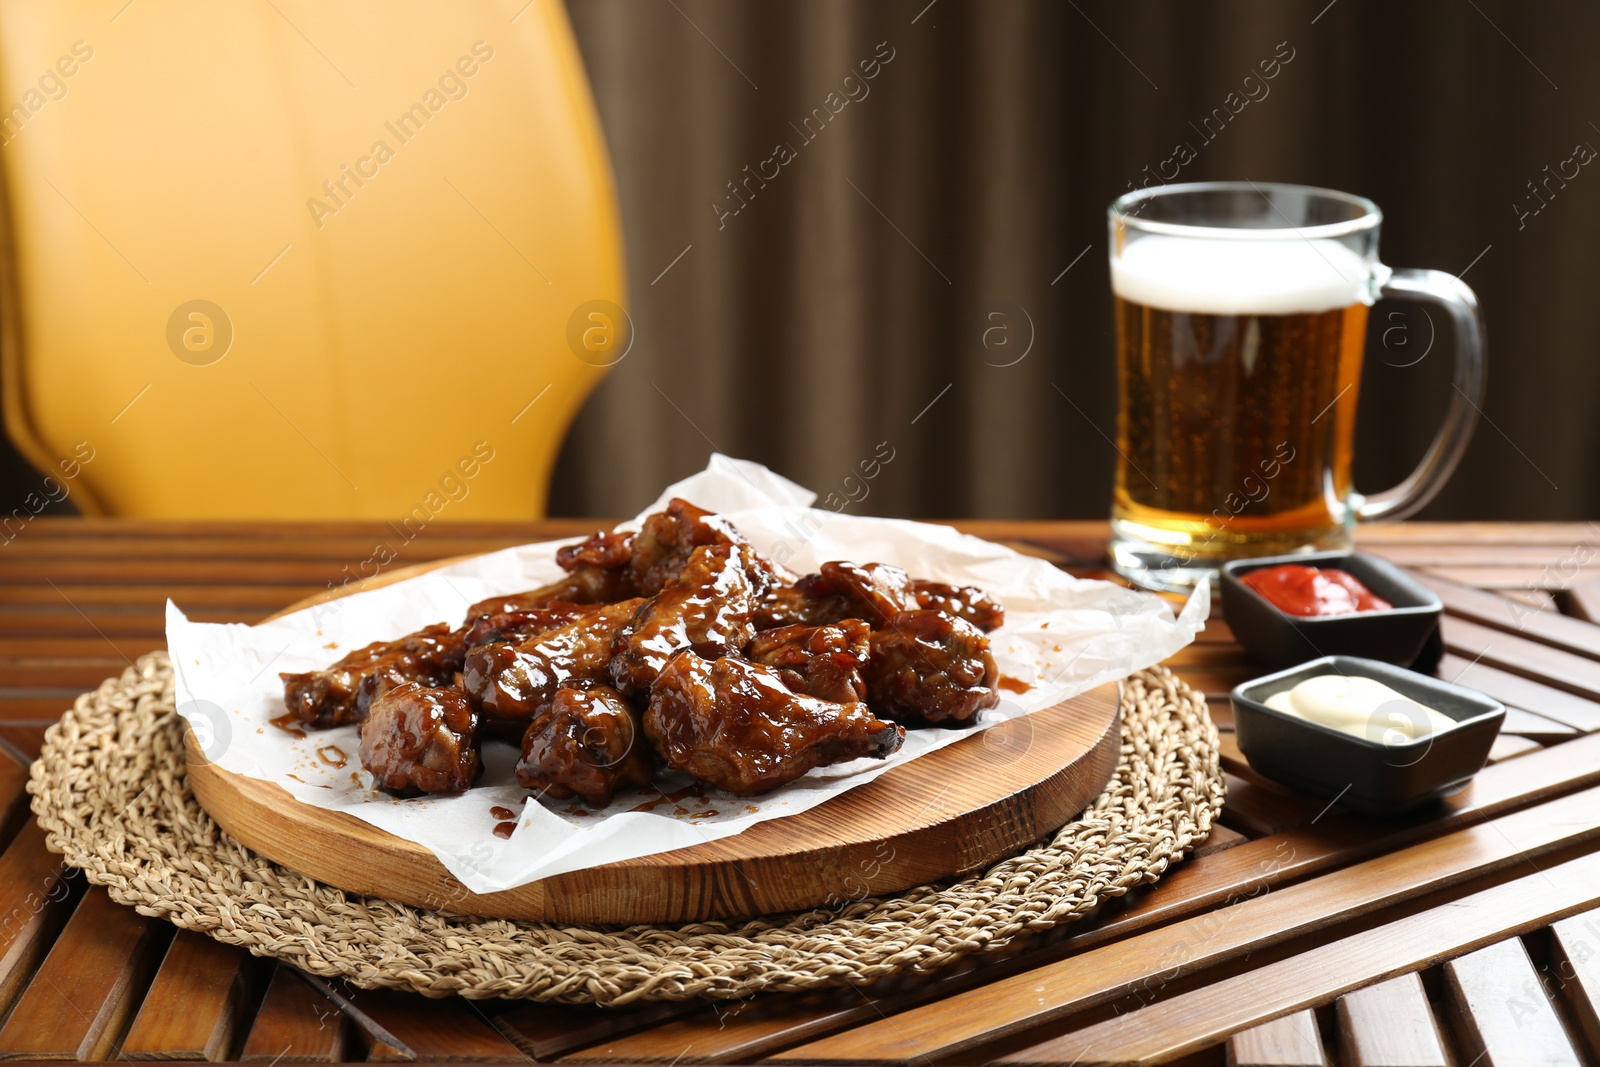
[[585, 585], [842, 590], [668, 538], [705, 609], [607, 567], [735, 725], [963, 601], [519, 627], [820, 661], [344, 692], [876, 592], [512, 682], [805, 603], [587, 743], [600, 549], [419, 739], [929, 668]]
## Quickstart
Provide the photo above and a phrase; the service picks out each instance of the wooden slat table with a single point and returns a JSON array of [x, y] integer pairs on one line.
[[1297, 934]]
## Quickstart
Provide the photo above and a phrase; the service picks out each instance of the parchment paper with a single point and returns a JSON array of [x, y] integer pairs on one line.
[[1062, 636]]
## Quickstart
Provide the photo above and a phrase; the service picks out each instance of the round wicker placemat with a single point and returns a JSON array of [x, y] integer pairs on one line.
[[111, 793]]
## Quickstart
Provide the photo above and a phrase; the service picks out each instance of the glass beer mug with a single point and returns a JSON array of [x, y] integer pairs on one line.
[[1241, 313]]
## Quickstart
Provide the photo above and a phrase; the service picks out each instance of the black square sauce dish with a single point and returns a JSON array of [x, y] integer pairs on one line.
[[1401, 634], [1385, 774]]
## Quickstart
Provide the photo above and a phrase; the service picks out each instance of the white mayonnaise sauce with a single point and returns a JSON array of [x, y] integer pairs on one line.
[[1361, 707]]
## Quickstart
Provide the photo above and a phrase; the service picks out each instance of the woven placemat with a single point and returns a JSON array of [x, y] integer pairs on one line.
[[111, 792]]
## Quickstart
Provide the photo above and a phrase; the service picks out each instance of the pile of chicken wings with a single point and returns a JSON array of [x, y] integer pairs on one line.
[[678, 646]]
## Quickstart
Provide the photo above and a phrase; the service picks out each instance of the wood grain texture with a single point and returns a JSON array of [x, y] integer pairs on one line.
[[1232, 757], [1489, 609], [79, 1003], [1192, 1021], [23, 738], [1536, 599], [741, 1031], [209, 980], [1504, 1014], [1521, 655], [405, 1026], [547, 1031], [1582, 599], [1220, 838], [1537, 557], [295, 1024], [1526, 693], [1146, 963], [13, 801], [195, 571], [1536, 727], [1340, 839], [949, 812], [1509, 578], [291, 541], [1509, 746], [35, 897], [56, 639], [1291, 1041], [1390, 1024], [1262, 809], [1575, 965], [383, 1052]]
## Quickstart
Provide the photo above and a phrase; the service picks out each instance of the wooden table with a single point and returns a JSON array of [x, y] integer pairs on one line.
[[1297, 934]]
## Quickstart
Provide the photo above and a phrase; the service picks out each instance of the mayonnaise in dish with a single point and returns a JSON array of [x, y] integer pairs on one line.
[[1361, 707]]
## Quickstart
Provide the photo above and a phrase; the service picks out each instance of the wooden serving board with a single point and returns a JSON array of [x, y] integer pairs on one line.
[[945, 814]]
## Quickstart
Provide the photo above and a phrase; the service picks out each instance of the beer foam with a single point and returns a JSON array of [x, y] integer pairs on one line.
[[1239, 276]]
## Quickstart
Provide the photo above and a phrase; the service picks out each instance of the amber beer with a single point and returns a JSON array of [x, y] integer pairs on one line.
[[1241, 310], [1239, 368]]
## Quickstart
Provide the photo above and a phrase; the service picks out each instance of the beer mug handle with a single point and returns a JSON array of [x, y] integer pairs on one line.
[[1451, 294]]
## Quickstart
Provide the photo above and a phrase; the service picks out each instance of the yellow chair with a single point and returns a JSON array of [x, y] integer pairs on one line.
[[296, 259]]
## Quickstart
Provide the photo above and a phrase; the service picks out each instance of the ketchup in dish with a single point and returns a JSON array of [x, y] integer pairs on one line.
[[1311, 591]]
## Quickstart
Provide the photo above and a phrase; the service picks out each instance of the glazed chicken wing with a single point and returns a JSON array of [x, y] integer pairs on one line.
[[705, 609], [735, 725], [600, 549], [876, 592], [511, 682], [344, 692], [519, 627], [419, 739], [963, 601], [820, 661], [607, 567], [801, 604], [842, 590], [587, 743], [668, 538], [929, 668], [585, 585]]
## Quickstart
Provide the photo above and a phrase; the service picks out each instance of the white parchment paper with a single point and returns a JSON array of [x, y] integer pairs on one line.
[[1062, 636]]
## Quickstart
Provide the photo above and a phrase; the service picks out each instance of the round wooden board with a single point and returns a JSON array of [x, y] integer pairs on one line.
[[945, 814]]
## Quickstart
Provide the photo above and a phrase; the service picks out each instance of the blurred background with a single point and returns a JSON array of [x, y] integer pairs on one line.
[[922, 273]]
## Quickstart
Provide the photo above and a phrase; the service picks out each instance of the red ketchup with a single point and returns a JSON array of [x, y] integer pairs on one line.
[[1309, 591]]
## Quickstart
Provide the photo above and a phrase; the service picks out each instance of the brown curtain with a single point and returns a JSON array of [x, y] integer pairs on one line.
[[878, 290]]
